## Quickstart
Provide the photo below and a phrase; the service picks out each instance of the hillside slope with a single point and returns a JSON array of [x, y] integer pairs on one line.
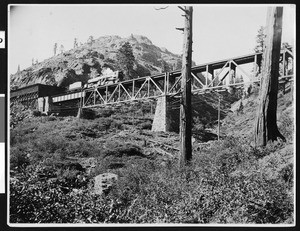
[[228, 181], [90, 59], [241, 122]]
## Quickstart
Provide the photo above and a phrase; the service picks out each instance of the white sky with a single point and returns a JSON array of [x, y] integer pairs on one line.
[[219, 31]]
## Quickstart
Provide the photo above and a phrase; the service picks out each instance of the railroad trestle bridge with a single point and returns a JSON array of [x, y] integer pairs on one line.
[[225, 74]]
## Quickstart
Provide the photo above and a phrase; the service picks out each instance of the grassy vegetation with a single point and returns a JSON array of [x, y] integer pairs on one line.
[[228, 181]]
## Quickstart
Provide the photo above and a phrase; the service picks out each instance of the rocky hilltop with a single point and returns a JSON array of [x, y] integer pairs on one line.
[[92, 58]]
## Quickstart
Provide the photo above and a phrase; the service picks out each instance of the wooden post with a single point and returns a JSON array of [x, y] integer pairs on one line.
[[266, 120], [133, 86], [79, 113], [185, 104]]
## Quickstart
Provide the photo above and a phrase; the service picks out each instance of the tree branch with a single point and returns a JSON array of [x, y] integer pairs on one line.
[[182, 29], [181, 8], [161, 8]]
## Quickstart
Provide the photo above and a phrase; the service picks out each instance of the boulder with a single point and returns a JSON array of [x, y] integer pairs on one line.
[[89, 164], [104, 182]]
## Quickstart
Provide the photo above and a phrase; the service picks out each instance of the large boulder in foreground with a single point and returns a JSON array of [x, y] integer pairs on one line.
[[104, 182]]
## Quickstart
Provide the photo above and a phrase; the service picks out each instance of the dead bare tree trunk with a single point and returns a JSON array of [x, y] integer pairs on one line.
[[219, 108], [266, 121], [185, 104]]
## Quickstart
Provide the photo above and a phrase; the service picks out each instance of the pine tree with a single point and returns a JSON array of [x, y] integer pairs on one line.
[[75, 43], [90, 40], [260, 40], [62, 48], [55, 48], [178, 64], [126, 60], [165, 66]]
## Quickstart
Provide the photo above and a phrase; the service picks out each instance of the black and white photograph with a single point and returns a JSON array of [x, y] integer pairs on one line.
[[151, 115]]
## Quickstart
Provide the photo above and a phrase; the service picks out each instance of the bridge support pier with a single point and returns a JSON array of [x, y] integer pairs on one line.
[[166, 116], [44, 104]]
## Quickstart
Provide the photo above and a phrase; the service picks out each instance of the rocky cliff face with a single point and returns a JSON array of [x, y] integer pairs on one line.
[[91, 59]]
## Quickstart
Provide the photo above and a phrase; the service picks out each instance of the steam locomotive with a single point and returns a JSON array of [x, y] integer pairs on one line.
[[112, 78]]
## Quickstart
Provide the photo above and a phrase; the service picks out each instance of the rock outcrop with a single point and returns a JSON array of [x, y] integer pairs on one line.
[[104, 182], [91, 59]]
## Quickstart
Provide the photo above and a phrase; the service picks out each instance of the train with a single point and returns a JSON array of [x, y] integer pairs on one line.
[[99, 80], [75, 91], [112, 78]]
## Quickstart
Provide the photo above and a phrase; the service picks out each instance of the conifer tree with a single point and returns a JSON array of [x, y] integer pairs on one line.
[[90, 40], [62, 48], [75, 43], [165, 66], [55, 48], [126, 60], [260, 40]]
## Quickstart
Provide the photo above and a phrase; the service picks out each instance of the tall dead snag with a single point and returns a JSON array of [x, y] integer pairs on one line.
[[185, 104], [266, 120]]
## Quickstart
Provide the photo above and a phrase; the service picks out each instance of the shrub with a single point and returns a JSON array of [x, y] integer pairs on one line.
[[228, 181], [260, 152], [51, 118], [147, 192], [145, 125], [287, 174], [37, 197], [101, 56], [88, 114], [287, 126], [71, 179], [269, 203], [36, 113], [49, 144], [18, 158], [123, 149], [105, 112], [115, 124]]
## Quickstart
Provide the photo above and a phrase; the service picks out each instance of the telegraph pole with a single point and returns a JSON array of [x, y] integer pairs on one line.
[[185, 104]]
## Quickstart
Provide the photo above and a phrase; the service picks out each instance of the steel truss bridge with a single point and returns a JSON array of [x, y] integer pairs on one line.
[[216, 76]]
